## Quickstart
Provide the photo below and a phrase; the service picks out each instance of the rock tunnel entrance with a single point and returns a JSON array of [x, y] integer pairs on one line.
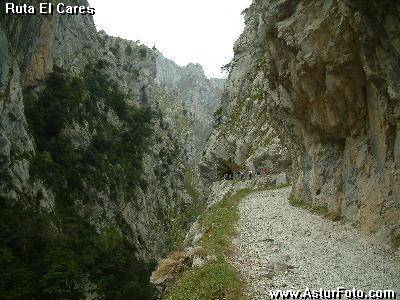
[[227, 168]]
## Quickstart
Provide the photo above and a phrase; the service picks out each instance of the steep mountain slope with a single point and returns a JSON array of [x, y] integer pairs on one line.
[[94, 184], [327, 73], [198, 97]]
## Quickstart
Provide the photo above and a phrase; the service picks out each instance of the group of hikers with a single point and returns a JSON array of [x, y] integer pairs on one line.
[[242, 176]]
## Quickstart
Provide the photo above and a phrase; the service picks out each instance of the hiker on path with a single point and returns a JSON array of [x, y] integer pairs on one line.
[[250, 175]]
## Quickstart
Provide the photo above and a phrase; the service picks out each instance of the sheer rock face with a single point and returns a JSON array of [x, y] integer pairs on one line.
[[244, 141], [329, 73], [189, 91], [30, 48]]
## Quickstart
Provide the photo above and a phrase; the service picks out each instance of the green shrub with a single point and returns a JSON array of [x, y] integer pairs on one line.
[[218, 116], [135, 73], [115, 49], [143, 52], [128, 50]]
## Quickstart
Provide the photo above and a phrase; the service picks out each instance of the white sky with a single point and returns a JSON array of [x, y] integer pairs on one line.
[[198, 31]]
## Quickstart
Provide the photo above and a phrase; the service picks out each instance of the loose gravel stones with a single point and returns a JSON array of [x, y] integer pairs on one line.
[[283, 247]]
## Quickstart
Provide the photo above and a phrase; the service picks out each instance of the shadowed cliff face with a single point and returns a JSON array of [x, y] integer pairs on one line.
[[328, 72]]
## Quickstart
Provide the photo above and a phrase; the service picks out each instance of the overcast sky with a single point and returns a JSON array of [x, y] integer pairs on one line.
[[198, 31]]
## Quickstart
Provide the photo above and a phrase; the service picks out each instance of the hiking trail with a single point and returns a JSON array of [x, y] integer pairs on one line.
[[283, 247]]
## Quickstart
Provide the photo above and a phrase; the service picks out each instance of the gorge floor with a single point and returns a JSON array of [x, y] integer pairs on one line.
[[282, 247]]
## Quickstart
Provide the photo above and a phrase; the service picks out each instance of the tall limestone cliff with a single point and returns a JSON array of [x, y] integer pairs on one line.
[[243, 139], [327, 76], [197, 97], [93, 181]]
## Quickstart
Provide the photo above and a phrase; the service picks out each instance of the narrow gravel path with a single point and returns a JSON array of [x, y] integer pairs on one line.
[[282, 247]]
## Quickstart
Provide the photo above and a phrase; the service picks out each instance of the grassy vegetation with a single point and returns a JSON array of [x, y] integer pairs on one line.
[[217, 279], [319, 210], [219, 223]]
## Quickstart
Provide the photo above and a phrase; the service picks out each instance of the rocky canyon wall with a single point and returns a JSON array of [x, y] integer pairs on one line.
[[192, 93], [328, 75], [93, 175]]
